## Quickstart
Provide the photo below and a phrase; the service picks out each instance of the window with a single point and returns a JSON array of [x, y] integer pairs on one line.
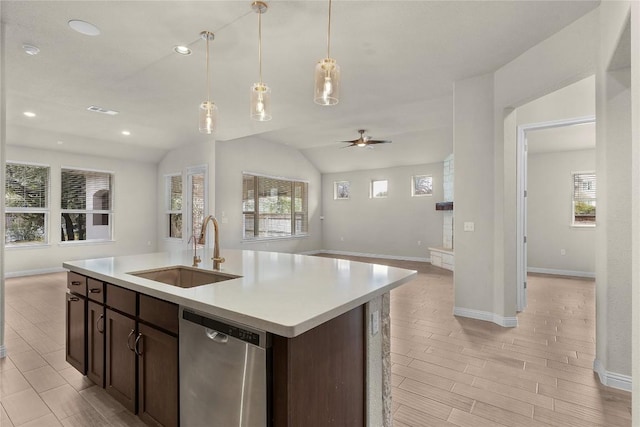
[[421, 185], [174, 205], [584, 199], [341, 190], [379, 189], [26, 204], [86, 205], [274, 207]]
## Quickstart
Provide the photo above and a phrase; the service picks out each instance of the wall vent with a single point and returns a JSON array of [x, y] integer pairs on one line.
[[97, 109]]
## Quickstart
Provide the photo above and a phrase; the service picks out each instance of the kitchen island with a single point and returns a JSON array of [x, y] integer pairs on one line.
[[327, 323]]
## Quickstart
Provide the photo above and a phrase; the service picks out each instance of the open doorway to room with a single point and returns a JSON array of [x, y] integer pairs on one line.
[[556, 185]]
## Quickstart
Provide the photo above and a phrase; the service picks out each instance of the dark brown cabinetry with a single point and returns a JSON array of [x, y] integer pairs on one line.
[[120, 380], [95, 342], [127, 343], [76, 338]]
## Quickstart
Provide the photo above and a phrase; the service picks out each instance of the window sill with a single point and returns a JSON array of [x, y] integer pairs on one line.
[[270, 239], [584, 227], [86, 242], [27, 246]]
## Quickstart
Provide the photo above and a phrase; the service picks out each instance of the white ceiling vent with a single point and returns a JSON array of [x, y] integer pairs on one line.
[[97, 109]]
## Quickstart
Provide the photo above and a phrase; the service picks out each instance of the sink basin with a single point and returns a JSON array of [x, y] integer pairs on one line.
[[184, 277]]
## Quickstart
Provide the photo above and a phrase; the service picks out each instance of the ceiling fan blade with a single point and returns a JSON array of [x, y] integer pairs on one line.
[[376, 141]]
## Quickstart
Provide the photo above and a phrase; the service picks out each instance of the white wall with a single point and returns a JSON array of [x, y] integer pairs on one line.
[[176, 162], [550, 191], [473, 142], [134, 214], [266, 158], [397, 226]]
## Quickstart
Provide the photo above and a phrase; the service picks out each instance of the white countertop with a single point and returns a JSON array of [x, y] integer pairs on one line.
[[285, 294]]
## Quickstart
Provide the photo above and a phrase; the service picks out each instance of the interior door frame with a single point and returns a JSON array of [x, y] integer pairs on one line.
[[521, 209]]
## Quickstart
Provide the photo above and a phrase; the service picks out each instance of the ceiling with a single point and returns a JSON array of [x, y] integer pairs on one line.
[[398, 59]]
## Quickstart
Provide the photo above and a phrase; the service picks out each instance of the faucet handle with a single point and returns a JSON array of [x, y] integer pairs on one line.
[[220, 259], [196, 260]]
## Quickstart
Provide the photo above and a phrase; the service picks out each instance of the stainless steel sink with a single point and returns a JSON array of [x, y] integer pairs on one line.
[[184, 277]]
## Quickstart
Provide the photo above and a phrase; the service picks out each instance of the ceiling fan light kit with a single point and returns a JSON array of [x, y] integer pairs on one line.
[[364, 141], [327, 75]]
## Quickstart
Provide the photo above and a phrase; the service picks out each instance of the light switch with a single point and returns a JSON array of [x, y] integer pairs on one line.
[[469, 226]]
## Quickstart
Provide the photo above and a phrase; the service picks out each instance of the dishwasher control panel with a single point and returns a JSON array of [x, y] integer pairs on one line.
[[233, 331]]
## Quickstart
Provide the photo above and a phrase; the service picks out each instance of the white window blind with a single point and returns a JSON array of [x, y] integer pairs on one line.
[[174, 205], [274, 207], [584, 198], [26, 204], [86, 205]]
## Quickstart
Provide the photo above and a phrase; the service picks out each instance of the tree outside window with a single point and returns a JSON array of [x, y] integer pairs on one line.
[[584, 199], [26, 204]]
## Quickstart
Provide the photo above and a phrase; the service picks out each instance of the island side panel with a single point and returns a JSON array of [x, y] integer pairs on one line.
[[319, 377]]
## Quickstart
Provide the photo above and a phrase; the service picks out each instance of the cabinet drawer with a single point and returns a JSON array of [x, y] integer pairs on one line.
[[77, 283], [160, 313], [95, 290], [121, 299]]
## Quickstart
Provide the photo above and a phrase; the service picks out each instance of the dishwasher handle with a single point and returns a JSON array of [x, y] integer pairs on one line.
[[216, 336]]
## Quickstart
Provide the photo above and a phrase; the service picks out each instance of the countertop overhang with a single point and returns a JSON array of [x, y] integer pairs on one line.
[[285, 294]]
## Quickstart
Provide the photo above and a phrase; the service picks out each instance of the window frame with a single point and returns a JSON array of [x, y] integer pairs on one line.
[[371, 191], [46, 210], [89, 212], [413, 185], [579, 224], [168, 211], [293, 212]]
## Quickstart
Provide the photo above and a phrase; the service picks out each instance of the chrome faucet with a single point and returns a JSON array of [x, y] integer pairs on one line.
[[196, 258], [217, 260]]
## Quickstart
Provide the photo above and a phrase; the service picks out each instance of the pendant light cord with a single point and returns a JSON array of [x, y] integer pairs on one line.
[[329, 33], [208, 35], [260, 44]]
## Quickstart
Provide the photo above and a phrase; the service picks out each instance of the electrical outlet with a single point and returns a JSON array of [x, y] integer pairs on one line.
[[375, 322], [419, 242], [341, 239], [563, 251], [469, 226]]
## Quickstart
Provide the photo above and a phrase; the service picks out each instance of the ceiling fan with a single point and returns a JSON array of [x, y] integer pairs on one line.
[[364, 141]]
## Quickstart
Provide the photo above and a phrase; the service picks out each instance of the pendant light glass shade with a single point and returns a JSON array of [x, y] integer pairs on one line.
[[260, 92], [327, 88], [260, 102], [327, 75], [208, 117], [208, 109]]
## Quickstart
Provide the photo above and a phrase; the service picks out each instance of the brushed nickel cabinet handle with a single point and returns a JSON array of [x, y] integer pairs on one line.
[[101, 317], [95, 290], [129, 339], [74, 299], [137, 344], [76, 283]]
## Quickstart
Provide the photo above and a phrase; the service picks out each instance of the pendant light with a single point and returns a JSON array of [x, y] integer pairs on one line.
[[327, 76], [208, 109], [260, 92]]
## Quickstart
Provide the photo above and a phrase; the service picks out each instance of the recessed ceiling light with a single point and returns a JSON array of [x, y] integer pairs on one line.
[[30, 49], [29, 114], [126, 133], [83, 27], [182, 50], [60, 142]]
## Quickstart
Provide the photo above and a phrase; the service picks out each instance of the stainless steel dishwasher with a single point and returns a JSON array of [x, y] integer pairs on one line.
[[223, 372]]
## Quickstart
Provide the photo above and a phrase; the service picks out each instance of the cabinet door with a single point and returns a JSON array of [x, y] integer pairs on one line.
[[76, 332], [157, 376], [95, 342], [120, 380]]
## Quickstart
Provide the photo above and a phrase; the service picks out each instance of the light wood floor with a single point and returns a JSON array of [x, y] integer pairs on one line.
[[446, 371]]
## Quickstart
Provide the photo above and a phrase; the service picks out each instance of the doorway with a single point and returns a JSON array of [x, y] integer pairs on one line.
[[524, 133]]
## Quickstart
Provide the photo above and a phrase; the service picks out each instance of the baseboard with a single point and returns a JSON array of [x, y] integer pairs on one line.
[[612, 379], [507, 322], [557, 272], [366, 255], [34, 272]]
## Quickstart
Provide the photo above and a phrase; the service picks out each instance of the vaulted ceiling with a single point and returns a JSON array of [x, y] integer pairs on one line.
[[399, 60]]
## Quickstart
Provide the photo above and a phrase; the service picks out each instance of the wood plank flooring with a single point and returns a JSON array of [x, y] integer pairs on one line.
[[446, 371], [453, 371]]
